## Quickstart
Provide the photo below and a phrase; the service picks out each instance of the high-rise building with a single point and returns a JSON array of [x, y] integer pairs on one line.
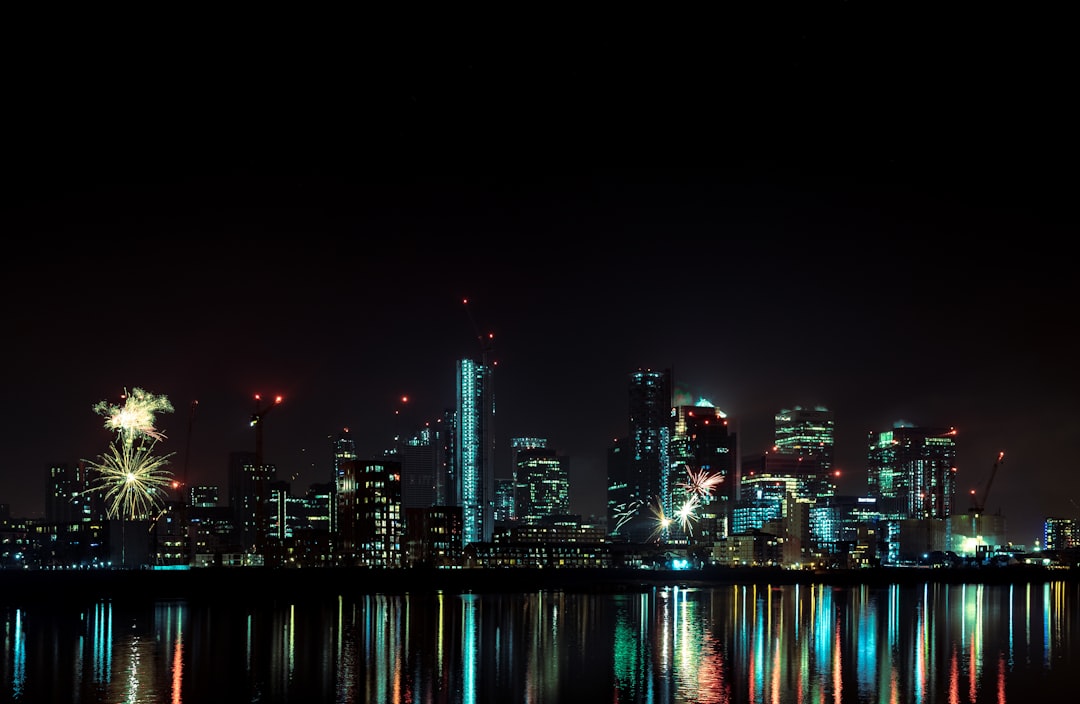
[[912, 471], [370, 513], [342, 449], [475, 458], [66, 499], [649, 470], [702, 449], [204, 496], [419, 455], [504, 502], [805, 432], [445, 441], [246, 481], [543, 488]]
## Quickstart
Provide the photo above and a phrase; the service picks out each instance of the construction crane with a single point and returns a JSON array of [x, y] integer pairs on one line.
[[978, 507]]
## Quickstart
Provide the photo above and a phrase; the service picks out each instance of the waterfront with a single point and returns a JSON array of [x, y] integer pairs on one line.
[[911, 642]]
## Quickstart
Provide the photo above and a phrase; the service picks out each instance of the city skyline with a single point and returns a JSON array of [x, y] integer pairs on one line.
[[871, 299]]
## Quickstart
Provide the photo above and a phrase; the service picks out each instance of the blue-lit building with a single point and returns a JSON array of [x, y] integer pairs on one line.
[[475, 446]]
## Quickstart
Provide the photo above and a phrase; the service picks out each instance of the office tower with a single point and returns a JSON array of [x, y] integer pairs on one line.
[[622, 502], [203, 496], [419, 456], [912, 471], [792, 484], [542, 488], [475, 458], [701, 445], [803, 432], [342, 449], [649, 471], [370, 513], [516, 446], [1061, 533], [445, 442], [523, 443], [66, 500], [504, 502], [246, 480]]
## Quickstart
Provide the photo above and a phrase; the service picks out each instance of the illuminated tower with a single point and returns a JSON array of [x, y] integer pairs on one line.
[[804, 432], [370, 514], [912, 471], [343, 449], [542, 487], [701, 442], [649, 461], [475, 458]]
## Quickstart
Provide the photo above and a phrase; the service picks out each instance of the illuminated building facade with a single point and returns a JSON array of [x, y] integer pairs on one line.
[[701, 442], [805, 433], [66, 500], [649, 482], [475, 457], [912, 472], [542, 489], [1061, 533], [342, 449], [504, 501], [370, 514]]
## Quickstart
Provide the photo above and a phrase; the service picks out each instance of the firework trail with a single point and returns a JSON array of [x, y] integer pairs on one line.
[[624, 512], [131, 477]]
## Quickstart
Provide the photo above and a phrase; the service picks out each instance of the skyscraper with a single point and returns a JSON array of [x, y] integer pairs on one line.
[[475, 460], [701, 443], [342, 449], [804, 432], [542, 487], [649, 462], [912, 471]]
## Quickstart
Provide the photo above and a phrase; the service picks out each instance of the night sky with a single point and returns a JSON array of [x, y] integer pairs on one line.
[[887, 236]]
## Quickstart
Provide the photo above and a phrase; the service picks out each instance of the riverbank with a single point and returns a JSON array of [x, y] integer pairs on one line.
[[255, 583]]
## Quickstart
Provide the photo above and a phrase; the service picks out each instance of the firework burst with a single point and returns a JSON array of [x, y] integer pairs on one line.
[[136, 416], [663, 522], [700, 483], [132, 479]]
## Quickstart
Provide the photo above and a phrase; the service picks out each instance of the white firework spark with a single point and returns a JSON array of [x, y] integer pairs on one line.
[[134, 480], [700, 483], [687, 513], [136, 416]]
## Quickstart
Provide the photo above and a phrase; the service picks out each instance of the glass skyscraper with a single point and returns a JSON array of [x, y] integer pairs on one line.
[[912, 471], [475, 448]]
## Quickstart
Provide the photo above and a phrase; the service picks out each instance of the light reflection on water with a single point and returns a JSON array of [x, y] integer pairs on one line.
[[770, 644]]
